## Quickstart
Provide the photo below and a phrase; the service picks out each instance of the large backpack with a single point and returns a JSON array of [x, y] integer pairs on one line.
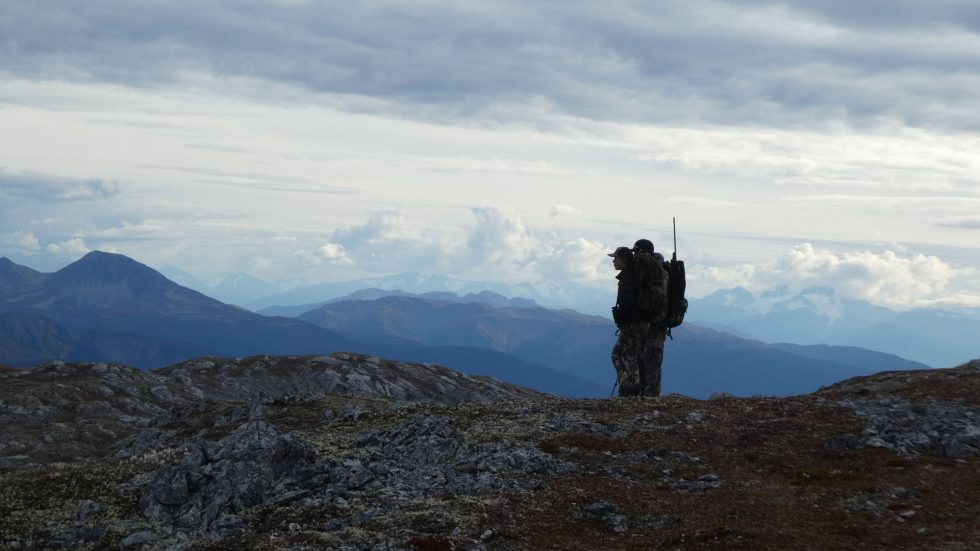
[[651, 287], [676, 286]]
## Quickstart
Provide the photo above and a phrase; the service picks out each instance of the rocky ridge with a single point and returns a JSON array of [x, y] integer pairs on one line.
[[59, 411], [300, 461]]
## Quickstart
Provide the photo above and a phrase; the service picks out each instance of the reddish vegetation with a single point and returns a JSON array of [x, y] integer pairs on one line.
[[782, 487]]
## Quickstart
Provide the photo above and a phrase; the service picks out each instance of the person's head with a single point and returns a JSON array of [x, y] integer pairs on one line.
[[643, 246], [622, 257]]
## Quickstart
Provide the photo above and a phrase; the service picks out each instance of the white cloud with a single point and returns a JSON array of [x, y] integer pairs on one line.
[[334, 253], [564, 210], [383, 230], [498, 246], [45, 188], [791, 63], [895, 279], [23, 241], [579, 259], [500, 242], [502, 245], [71, 248], [386, 243], [140, 230], [705, 279], [885, 278], [796, 120], [889, 160]]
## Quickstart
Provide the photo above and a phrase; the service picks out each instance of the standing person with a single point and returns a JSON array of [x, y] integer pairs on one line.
[[651, 351], [626, 351]]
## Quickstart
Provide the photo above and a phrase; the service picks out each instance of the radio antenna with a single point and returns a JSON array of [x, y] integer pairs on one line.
[[674, 258]]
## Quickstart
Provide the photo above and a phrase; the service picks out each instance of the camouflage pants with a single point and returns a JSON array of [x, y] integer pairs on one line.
[[637, 358], [652, 359], [626, 355]]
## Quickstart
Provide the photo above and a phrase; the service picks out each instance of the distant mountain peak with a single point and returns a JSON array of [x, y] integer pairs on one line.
[[102, 256], [110, 268], [99, 281], [13, 274], [735, 297]]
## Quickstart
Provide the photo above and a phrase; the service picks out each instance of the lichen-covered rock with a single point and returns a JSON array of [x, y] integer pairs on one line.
[[605, 512], [101, 405], [145, 443], [254, 464], [945, 428], [292, 470], [427, 453]]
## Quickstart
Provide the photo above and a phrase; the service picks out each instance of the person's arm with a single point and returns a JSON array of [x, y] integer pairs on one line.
[[626, 298]]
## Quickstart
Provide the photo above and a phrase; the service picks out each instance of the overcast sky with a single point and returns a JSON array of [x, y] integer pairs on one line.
[[829, 143]]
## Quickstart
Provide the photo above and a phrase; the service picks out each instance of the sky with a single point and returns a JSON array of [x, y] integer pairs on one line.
[[797, 144]]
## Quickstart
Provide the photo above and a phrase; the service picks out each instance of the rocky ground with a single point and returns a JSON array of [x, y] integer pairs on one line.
[[354, 452]]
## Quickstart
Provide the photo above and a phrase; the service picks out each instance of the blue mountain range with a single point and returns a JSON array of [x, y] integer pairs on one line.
[[938, 338], [107, 307]]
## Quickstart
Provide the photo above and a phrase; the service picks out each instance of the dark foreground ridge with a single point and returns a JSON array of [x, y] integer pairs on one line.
[[355, 452]]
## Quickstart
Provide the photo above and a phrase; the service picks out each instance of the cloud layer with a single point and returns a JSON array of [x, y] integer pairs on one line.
[[44, 188], [498, 245], [310, 140], [891, 278], [787, 63]]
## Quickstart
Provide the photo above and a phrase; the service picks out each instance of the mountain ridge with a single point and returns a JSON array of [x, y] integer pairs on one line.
[[550, 294], [814, 316], [483, 297], [108, 307], [105, 294], [14, 275], [698, 361]]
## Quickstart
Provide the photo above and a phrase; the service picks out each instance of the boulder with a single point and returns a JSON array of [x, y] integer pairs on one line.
[[254, 464]]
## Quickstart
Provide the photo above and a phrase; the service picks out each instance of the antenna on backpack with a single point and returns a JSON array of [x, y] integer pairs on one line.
[[674, 258]]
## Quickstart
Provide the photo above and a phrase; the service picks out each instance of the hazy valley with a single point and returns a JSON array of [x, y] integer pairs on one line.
[[110, 308]]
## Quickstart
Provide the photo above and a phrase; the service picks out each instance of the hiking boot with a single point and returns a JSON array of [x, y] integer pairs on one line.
[[628, 390]]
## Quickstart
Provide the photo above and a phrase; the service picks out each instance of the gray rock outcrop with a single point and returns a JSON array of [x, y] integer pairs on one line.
[[945, 428], [256, 464], [427, 454]]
